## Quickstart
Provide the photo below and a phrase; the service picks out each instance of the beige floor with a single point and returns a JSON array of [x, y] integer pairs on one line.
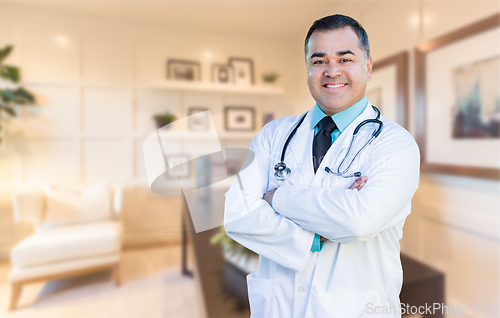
[[152, 287]]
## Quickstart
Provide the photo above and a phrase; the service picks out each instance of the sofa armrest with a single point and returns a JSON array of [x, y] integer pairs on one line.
[[118, 200], [28, 207]]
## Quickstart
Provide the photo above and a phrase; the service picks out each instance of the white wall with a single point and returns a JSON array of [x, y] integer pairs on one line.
[[93, 83], [92, 77]]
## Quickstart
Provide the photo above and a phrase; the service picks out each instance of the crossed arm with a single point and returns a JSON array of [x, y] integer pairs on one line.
[[358, 184], [347, 216], [284, 232]]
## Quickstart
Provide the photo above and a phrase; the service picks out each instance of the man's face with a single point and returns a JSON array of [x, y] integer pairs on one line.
[[337, 70]]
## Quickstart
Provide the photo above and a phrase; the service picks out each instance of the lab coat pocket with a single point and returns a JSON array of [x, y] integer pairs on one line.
[[260, 294], [344, 305], [395, 272]]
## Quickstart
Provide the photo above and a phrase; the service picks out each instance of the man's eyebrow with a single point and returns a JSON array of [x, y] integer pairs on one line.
[[339, 53], [345, 52], [318, 54]]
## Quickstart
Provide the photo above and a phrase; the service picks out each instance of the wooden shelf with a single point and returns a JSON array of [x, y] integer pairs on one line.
[[217, 88]]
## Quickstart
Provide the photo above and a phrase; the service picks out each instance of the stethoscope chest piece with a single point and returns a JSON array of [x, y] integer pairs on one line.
[[282, 172]]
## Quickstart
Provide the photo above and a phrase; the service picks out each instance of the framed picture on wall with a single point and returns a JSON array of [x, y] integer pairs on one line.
[[179, 166], [239, 118], [243, 70], [458, 101], [198, 118], [183, 70], [222, 74], [388, 88]]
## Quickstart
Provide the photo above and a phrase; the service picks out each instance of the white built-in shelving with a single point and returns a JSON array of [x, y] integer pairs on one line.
[[204, 87], [200, 135], [217, 88]]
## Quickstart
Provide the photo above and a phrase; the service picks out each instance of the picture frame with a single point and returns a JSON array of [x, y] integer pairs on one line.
[[198, 120], [268, 117], [243, 70], [222, 74], [183, 70], [239, 118], [388, 88], [436, 62], [180, 164]]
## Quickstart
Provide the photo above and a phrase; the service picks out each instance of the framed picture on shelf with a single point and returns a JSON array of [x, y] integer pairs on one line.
[[198, 118], [388, 88], [183, 70], [458, 101], [239, 118], [222, 74], [243, 70], [178, 166]]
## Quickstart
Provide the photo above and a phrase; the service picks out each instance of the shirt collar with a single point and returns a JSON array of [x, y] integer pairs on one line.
[[343, 118]]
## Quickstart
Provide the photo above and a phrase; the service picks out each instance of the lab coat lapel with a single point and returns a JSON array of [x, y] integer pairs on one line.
[[301, 150], [341, 142]]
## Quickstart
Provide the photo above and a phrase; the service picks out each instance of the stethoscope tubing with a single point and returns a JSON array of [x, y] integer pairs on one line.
[[290, 138], [347, 154], [282, 172]]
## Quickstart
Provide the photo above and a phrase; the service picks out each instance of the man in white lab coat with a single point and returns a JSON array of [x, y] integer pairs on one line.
[[327, 247]]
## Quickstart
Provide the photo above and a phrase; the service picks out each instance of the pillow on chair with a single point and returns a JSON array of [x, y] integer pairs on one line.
[[69, 206]]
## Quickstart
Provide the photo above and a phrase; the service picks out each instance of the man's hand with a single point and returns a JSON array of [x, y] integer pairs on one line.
[[269, 197], [359, 183]]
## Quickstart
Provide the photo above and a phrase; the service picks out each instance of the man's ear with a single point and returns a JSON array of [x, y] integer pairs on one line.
[[369, 68]]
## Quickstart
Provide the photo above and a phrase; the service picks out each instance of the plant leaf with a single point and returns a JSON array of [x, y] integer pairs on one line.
[[5, 52], [10, 72], [8, 110], [8, 95], [24, 96]]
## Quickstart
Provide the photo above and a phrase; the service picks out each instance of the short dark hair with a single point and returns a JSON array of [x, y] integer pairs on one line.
[[339, 21]]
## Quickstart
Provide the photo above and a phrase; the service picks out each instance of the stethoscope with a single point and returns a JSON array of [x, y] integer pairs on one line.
[[282, 172]]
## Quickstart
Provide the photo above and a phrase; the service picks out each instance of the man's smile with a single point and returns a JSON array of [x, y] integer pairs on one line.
[[339, 85]]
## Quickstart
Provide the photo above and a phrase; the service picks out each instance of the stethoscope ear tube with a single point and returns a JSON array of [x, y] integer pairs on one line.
[[375, 134], [375, 120]]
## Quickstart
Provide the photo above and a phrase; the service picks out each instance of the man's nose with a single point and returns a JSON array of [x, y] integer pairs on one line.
[[333, 70]]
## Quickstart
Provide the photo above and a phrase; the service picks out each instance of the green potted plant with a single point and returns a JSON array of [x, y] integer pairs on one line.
[[163, 119], [270, 77], [235, 253], [11, 92]]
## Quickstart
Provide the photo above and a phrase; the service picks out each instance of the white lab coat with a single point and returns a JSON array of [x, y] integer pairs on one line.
[[358, 272]]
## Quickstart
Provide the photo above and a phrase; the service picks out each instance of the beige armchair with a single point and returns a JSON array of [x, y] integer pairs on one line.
[[63, 251]]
